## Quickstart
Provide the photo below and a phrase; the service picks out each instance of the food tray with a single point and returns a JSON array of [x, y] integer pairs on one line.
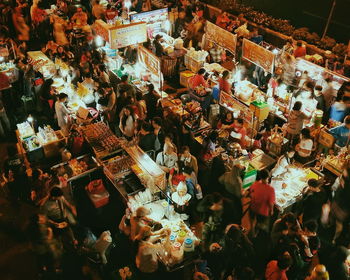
[[118, 167], [73, 169]]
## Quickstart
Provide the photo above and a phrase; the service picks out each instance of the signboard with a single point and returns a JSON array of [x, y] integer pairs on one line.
[[319, 73], [231, 103], [102, 29], [151, 61], [154, 20], [151, 16], [258, 55], [127, 35], [221, 37]]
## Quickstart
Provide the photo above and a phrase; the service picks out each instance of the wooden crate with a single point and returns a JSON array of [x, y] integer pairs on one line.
[[326, 139]]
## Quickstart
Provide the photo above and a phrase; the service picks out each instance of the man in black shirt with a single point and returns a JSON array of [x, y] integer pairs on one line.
[[147, 138], [151, 100]]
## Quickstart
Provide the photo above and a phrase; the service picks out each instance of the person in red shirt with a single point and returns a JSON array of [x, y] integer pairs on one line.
[[276, 269], [240, 129], [222, 20], [262, 202], [300, 51], [198, 80], [224, 85], [111, 13]]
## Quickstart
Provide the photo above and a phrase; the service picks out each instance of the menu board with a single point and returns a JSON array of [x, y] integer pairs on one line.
[[258, 55], [233, 104], [221, 37], [319, 73], [151, 61], [127, 35]]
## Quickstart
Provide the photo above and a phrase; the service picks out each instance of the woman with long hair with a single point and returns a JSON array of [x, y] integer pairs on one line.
[[127, 122]]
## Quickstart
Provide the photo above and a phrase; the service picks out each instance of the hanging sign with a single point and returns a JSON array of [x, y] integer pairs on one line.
[[221, 37], [258, 55]]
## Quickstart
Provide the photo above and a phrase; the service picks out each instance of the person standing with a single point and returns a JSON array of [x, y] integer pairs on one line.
[[304, 147], [262, 202], [296, 120], [300, 50], [341, 133], [62, 113], [151, 100], [127, 124]]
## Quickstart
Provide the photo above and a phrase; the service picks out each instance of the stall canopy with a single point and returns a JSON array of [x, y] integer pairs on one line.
[[154, 19], [220, 36], [123, 35], [258, 55]]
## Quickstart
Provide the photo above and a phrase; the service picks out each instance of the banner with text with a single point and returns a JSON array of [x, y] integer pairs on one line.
[[258, 55], [221, 37]]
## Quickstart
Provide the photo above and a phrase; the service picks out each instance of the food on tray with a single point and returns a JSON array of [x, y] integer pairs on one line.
[[281, 201], [78, 167], [101, 138], [120, 165]]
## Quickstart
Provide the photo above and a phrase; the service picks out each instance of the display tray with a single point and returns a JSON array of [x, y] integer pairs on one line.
[[132, 184], [75, 168], [118, 167], [101, 139], [262, 161]]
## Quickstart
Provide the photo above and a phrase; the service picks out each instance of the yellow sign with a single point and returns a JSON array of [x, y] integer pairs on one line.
[[127, 35]]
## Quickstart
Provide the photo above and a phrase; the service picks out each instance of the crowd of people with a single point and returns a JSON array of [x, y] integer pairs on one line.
[[243, 236]]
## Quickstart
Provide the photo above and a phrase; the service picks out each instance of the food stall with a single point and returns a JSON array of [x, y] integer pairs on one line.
[[156, 20], [123, 35], [289, 184], [101, 139], [336, 164], [37, 146], [75, 168], [42, 63]]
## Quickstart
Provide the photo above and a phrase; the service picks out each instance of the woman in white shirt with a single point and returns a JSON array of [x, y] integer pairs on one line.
[[304, 148], [62, 113], [127, 124]]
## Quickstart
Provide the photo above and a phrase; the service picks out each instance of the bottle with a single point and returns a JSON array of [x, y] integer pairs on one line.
[[188, 245]]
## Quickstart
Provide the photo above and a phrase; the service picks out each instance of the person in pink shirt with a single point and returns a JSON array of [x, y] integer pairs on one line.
[[263, 199]]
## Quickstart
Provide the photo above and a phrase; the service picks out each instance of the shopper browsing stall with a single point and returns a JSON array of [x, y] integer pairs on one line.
[[341, 133], [304, 147]]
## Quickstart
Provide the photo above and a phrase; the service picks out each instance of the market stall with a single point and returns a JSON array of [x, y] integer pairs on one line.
[[157, 21], [42, 63], [75, 168], [123, 35], [44, 144], [289, 184], [101, 139]]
